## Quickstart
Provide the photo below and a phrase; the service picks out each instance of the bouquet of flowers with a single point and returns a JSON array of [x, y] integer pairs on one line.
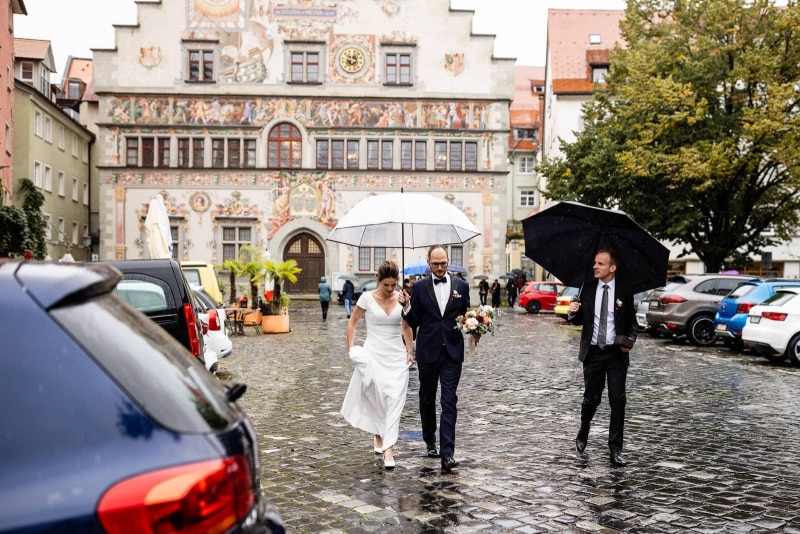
[[476, 322]]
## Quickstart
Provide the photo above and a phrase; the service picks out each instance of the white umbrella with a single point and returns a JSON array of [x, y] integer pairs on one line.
[[405, 220], [156, 226], [67, 258]]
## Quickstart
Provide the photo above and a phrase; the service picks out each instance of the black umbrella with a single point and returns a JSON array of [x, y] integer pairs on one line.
[[565, 238]]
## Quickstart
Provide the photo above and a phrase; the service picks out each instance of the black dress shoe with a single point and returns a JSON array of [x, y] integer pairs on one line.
[[617, 458], [448, 463], [433, 452], [580, 444]]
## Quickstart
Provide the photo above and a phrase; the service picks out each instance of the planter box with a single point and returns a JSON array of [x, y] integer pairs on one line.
[[275, 324]]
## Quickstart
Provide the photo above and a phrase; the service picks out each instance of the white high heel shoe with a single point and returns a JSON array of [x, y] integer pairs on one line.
[[388, 463], [378, 450]]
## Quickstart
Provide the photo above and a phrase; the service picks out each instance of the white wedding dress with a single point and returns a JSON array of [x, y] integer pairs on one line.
[[377, 391]]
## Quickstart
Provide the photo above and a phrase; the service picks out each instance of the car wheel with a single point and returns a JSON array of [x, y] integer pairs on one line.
[[793, 350], [533, 307], [701, 331]]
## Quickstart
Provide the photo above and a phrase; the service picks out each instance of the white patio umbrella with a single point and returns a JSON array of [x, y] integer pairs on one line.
[[156, 226], [405, 220]]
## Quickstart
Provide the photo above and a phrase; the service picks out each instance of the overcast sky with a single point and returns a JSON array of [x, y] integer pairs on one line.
[[76, 26]]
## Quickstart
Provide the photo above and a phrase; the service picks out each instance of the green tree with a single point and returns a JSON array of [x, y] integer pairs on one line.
[[280, 272], [23, 228], [233, 267], [696, 133], [251, 265]]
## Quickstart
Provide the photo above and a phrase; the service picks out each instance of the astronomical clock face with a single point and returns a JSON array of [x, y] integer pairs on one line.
[[352, 59]]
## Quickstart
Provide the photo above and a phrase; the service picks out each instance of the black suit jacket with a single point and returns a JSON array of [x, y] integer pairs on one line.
[[435, 330], [624, 315]]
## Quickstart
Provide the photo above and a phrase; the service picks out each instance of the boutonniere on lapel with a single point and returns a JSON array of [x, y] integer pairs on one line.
[[618, 302], [456, 295]]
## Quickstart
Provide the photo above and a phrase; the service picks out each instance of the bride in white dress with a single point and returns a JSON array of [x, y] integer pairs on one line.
[[377, 391]]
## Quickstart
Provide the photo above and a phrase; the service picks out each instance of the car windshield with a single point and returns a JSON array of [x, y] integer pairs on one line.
[[780, 298], [741, 291], [568, 291]]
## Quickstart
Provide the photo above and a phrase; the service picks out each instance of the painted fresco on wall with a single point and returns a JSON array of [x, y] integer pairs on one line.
[[301, 196], [216, 14], [311, 112], [235, 206], [389, 7]]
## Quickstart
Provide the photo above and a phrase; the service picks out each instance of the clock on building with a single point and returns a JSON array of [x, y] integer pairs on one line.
[[352, 59]]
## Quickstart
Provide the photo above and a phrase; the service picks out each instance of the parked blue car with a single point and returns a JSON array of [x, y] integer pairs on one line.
[[109, 424], [733, 309]]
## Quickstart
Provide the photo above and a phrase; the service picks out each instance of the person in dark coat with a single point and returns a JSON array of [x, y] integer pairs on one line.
[[605, 309], [495, 294], [348, 290], [432, 308], [511, 287], [483, 291]]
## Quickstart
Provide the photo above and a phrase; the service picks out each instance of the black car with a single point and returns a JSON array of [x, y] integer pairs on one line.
[[159, 289], [369, 285], [112, 425]]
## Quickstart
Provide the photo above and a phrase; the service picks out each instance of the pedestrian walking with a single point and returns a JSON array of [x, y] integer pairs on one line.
[[606, 311], [511, 287], [483, 291], [377, 391], [495, 289], [348, 291], [432, 308], [324, 289]]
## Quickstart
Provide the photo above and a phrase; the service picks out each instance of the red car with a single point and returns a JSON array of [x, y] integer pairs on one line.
[[538, 296]]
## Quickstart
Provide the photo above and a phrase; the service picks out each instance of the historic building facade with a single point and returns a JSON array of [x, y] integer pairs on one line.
[[264, 122]]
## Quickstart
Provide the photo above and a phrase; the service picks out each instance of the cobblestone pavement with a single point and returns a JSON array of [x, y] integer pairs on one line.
[[710, 436]]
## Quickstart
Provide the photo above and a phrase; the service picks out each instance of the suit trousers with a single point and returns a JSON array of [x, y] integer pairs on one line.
[[601, 365], [447, 372]]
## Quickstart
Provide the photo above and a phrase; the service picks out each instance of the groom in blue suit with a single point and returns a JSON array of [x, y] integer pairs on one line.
[[435, 303]]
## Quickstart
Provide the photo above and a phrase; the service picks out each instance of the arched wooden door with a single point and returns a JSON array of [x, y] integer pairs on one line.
[[310, 256]]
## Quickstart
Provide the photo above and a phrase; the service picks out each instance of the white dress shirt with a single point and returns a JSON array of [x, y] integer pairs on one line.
[[442, 291], [598, 301]]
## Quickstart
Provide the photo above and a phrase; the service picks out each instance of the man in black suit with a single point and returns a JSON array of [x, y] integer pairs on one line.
[[606, 311], [435, 302]]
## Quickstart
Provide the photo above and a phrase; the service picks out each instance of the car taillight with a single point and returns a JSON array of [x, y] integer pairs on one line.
[[203, 497], [774, 316], [672, 299], [744, 307], [191, 324], [213, 319]]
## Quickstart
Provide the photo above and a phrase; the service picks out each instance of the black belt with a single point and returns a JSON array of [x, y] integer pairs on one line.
[[598, 349]]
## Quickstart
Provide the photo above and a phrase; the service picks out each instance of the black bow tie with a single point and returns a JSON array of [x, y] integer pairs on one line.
[[439, 280]]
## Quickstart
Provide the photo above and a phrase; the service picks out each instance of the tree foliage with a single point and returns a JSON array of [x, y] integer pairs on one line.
[[696, 133], [23, 228]]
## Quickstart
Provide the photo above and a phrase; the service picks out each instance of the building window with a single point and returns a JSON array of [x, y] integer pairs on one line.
[[233, 237], [456, 156], [470, 156], [132, 151], [397, 68], [148, 152], [249, 153], [406, 154], [369, 259], [440, 155], [60, 234], [420, 155], [74, 239], [48, 178], [48, 226], [177, 242], [48, 130], [525, 164], [74, 146], [61, 137], [163, 152], [85, 152], [37, 174], [337, 154], [74, 189], [526, 133], [372, 154], [85, 194], [387, 155], [305, 67], [25, 68], [594, 38], [527, 198], [198, 153], [8, 139], [218, 153], [73, 90], [457, 256], [352, 154], [62, 184], [599, 74], [285, 147], [323, 153], [37, 123], [201, 65]]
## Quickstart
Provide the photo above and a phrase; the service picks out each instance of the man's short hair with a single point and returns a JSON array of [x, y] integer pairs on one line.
[[613, 257]]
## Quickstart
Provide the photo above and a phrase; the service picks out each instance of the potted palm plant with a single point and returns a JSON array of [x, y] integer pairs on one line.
[[275, 308], [251, 266]]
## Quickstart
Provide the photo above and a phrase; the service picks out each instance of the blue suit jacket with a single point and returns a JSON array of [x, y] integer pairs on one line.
[[435, 330]]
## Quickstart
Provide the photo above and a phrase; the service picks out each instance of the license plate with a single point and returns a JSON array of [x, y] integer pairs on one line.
[[654, 304], [755, 319], [722, 327]]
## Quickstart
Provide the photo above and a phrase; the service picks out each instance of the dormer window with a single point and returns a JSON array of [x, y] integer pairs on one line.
[[26, 71], [594, 38], [599, 73]]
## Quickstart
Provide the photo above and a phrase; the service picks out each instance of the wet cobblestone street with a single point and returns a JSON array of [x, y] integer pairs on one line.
[[710, 437]]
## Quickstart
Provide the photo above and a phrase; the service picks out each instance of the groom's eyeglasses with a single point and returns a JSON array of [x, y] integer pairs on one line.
[[438, 264]]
